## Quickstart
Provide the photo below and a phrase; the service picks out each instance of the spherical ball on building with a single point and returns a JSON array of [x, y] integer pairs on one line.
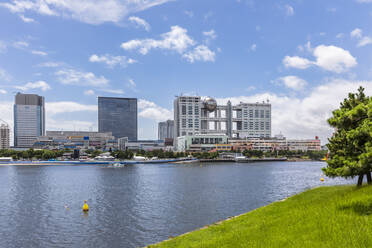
[[210, 104]]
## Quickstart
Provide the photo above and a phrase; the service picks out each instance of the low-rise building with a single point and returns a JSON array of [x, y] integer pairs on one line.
[[201, 142], [146, 145], [76, 140]]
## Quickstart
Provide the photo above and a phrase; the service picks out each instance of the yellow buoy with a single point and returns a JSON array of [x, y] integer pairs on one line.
[[85, 206], [322, 179]]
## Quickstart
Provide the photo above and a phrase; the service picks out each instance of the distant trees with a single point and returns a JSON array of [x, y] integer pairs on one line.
[[32, 154], [351, 145]]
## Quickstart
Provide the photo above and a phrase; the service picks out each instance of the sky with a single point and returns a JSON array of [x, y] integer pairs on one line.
[[303, 56]]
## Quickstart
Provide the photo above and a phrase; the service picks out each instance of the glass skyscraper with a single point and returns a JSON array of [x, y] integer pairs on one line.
[[119, 116], [29, 119]]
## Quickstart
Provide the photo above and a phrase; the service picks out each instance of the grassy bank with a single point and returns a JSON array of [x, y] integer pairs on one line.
[[339, 216]]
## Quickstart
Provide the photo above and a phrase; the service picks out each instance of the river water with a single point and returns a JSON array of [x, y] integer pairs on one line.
[[134, 206]]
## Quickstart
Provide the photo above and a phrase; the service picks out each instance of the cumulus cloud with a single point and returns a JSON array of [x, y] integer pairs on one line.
[[293, 82], [330, 58], [87, 11], [211, 34], [111, 61], [150, 110], [356, 33], [74, 77], [176, 39], [305, 117], [42, 85], [20, 44], [3, 91], [139, 22], [296, 62], [200, 53]]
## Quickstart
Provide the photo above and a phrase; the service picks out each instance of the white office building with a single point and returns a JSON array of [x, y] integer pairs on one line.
[[194, 115]]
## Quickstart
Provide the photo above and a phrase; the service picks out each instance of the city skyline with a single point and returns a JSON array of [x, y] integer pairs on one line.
[[303, 57]]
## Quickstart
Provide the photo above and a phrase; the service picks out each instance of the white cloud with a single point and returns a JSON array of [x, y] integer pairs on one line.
[[356, 33], [36, 85], [330, 58], [4, 75], [113, 91], [293, 82], [306, 117], [111, 61], [50, 64], [366, 40], [139, 22], [340, 35], [254, 47], [88, 11], [152, 111], [176, 40], [74, 77], [20, 44], [41, 53], [26, 19], [89, 92], [296, 62], [211, 34], [3, 91], [200, 53], [54, 108], [289, 11], [362, 40]]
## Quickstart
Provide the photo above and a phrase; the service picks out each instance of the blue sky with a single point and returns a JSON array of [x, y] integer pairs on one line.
[[304, 56]]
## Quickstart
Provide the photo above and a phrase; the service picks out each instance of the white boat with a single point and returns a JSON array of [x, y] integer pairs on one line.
[[139, 158]]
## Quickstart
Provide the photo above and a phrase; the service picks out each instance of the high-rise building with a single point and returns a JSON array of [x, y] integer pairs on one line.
[[166, 130], [118, 116], [192, 115], [29, 119], [4, 136]]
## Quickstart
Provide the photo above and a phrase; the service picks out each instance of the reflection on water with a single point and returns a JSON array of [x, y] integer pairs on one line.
[[133, 206]]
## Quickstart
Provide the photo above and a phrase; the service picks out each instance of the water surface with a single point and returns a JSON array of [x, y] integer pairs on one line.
[[133, 206]]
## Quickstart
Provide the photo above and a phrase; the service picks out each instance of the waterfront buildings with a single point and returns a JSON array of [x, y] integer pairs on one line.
[[29, 119], [166, 130], [4, 136], [76, 140], [202, 142], [118, 116], [194, 115], [146, 145]]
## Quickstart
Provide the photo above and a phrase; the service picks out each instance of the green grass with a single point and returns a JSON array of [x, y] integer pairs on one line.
[[339, 216]]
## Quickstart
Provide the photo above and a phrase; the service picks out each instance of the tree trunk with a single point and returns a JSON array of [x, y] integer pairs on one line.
[[360, 180], [369, 178]]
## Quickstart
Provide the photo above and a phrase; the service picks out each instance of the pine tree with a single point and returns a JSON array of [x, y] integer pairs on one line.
[[350, 146]]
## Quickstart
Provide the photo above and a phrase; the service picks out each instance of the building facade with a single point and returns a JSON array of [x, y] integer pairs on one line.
[[192, 115], [166, 130], [4, 136], [146, 145], [76, 140], [202, 142], [118, 116], [29, 119]]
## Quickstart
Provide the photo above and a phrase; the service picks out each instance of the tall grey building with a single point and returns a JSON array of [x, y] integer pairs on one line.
[[166, 130], [119, 116], [192, 115], [4, 136], [29, 119]]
